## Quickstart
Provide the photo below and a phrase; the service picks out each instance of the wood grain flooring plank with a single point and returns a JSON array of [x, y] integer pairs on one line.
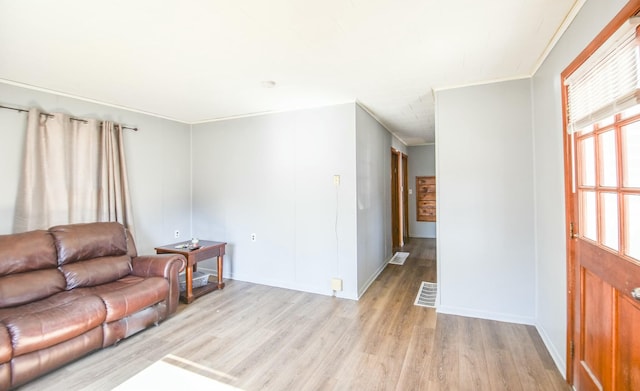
[[417, 360]]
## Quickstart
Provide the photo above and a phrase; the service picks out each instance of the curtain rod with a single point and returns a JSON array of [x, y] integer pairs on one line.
[[72, 118]]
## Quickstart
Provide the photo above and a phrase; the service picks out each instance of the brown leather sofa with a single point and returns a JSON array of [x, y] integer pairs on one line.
[[74, 289]]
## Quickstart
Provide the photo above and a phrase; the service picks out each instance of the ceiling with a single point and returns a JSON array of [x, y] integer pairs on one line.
[[197, 60]]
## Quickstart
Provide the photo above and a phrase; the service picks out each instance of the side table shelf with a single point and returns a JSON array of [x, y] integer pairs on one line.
[[208, 249]]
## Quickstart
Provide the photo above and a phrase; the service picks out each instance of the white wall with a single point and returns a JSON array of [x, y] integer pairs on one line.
[[485, 201], [273, 175], [157, 159], [422, 162], [395, 142], [550, 231], [373, 169]]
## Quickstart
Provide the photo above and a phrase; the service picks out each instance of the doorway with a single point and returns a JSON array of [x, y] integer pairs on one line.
[[399, 198], [405, 198], [396, 230]]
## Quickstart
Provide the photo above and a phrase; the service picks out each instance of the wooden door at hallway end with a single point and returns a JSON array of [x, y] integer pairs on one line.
[[405, 198], [399, 198], [396, 230]]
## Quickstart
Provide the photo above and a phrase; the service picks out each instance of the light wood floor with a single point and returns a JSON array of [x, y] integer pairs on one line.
[[262, 338]]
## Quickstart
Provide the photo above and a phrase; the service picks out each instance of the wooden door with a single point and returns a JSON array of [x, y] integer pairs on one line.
[[395, 199], [606, 264], [602, 191], [405, 198]]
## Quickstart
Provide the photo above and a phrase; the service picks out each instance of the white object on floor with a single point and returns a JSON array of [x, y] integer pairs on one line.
[[398, 258], [161, 376], [427, 295]]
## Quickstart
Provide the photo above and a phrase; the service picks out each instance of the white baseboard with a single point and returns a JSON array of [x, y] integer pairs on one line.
[[471, 313], [371, 279], [283, 284], [558, 358]]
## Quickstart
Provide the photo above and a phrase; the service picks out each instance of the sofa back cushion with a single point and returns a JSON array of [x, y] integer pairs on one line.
[[79, 242], [96, 271], [91, 254], [132, 251], [27, 251], [23, 288], [28, 268]]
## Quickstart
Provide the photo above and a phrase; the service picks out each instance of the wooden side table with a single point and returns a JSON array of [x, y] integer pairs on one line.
[[208, 249]]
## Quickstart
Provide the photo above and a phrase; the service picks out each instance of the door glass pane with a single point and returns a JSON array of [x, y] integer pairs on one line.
[[632, 226], [608, 160], [588, 162], [609, 207], [589, 220], [631, 155]]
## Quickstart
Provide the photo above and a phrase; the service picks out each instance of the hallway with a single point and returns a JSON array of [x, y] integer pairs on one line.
[[468, 353]]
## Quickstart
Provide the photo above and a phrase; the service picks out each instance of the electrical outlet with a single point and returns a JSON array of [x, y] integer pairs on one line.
[[336, 180], [253, 237], [176, 234], [336, 284]]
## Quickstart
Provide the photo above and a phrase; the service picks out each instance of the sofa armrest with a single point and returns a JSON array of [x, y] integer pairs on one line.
[[162, 265]]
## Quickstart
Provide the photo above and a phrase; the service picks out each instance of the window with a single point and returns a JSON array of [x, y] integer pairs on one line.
[[604, 121]]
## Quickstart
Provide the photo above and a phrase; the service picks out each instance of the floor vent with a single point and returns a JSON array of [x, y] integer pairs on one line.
[[427, 295], [398, 258]]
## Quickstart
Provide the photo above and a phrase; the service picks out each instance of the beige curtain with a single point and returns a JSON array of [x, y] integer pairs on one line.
[[73, 172]]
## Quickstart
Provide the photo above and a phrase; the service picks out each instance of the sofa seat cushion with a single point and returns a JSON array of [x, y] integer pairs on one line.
[[53, 320], [130, 294]]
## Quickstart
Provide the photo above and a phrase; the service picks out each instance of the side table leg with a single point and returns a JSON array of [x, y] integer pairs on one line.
[[189, 284], [220, 283]]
